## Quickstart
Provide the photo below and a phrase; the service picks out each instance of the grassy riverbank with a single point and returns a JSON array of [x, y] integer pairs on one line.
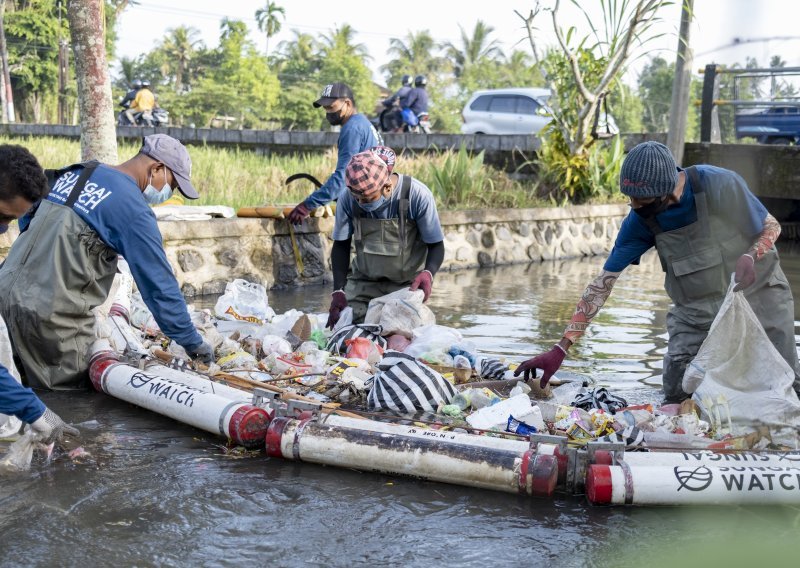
[[243, 178]]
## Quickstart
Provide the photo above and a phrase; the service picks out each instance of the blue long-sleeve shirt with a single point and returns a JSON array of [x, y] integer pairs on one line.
[[112, 205], [357, 135], [19, 401], [417, 100]]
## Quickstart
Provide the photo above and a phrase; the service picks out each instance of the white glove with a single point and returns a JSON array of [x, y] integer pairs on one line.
[[51, 428]]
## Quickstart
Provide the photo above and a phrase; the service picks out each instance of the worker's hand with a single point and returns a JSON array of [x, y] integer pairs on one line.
[[203, 353], [338, 303], [745, 272], [298, 214], [548, 362], [423, 281], [51, 428]]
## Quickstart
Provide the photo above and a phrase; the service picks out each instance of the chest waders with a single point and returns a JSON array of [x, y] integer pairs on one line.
[[698, 261], [55, 273], [388, 254]]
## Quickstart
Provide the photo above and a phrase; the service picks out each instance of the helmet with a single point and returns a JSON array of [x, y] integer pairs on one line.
[[137, 83], [406, 80], [420, 81], [145, 83]]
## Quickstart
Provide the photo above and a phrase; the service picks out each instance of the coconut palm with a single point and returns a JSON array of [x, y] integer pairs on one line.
[[180, 47], [341, 39], [268, 20], [413, 55], [473, 49]]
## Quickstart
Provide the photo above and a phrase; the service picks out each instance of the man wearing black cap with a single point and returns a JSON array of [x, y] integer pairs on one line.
[[357, 134], [705, 225], [63, 263]]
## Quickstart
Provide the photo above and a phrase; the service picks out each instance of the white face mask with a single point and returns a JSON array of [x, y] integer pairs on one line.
[[373, 205], [153, 196]]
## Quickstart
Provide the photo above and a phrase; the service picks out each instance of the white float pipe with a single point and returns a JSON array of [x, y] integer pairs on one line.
[[241, 422], [704, 457], [519, 446], [694, 484], [426, 457], [199, 382]]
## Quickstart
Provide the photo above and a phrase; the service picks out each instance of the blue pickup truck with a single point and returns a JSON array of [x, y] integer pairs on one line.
[[775, 125]]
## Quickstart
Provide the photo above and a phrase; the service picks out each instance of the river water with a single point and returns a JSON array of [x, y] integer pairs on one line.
[[158, 493]]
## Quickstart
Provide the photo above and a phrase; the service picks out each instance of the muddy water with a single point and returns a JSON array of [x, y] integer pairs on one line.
[[156, 493]]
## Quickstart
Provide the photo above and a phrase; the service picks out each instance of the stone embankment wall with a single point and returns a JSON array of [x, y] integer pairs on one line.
[[208, 254]]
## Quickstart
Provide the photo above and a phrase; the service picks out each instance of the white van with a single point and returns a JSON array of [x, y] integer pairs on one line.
[[506, 111]]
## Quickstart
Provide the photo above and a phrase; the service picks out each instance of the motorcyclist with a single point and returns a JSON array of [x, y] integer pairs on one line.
[[131, 94], [393, 118], [417, 99], [144, 102]]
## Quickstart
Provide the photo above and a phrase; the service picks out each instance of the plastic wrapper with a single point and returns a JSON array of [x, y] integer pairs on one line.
[[398, 342], [273, 344], [237, 360], [244, 301], [434, 338], [400, 312], [363, 348], [20, 453]]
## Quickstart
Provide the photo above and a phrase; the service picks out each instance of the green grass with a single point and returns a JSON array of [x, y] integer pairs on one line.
[[240, 178]]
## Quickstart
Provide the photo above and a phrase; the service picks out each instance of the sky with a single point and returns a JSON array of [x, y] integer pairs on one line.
[[764, 27]]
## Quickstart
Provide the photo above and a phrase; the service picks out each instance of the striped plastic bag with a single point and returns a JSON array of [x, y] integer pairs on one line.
[[337, 345], [405, 385]]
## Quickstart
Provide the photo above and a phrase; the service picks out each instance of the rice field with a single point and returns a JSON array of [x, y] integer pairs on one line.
[[241, 177]]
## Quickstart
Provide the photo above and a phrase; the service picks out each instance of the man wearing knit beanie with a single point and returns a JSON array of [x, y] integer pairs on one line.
[[705, 224]]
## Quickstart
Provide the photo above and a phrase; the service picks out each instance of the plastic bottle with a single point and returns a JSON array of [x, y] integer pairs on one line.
[[483, 398]]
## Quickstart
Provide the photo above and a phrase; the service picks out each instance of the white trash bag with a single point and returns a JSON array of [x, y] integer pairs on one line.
[[400, 312], [244, 301], [739, 379]]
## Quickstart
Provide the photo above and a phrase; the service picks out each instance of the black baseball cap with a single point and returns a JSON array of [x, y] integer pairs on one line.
[[332, 92]]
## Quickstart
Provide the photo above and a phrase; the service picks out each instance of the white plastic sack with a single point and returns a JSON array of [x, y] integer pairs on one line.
[[435, 338], [9, 425], [400, 312], [738, 377], [244, 301]]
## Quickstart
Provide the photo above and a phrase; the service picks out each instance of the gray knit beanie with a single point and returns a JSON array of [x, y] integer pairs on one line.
[[649, 170]]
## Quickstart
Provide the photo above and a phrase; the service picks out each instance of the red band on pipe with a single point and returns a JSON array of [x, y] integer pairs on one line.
[[603, 457], [544, 475], [523, 472], [273, 437], [598, 484], [248, 426], [98, 367]]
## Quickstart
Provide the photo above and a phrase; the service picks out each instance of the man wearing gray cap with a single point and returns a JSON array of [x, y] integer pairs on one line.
[[357, 134], [63, 263], [705, 224]]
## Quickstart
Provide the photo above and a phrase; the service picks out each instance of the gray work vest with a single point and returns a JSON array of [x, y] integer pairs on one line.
[[388, 249], [55, 273], [698, 261]]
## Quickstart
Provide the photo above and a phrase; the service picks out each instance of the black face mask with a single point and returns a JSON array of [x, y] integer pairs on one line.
[[652, 209], [334, 118]]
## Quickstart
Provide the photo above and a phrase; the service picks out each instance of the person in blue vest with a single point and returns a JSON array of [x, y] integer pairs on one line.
[[22, 183], [63, 263], [357, 134], [705, 224]]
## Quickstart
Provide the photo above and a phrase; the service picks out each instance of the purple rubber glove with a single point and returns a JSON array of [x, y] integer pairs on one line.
[[423, 281], [745, 272], [298, 214], [338, 303], [548, 362]]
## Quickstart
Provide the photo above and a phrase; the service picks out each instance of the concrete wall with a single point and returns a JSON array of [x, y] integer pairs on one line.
[[208, 254]]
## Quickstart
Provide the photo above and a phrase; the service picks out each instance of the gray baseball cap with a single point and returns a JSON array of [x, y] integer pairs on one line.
[[175, 156]]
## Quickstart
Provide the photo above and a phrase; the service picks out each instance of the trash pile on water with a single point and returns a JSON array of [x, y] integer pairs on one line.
[[400, 364]]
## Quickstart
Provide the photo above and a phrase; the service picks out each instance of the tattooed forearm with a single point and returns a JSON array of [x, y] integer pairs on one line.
[[766, 240], [592, 300]]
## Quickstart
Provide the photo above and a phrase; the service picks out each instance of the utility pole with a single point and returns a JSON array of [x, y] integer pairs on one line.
[[8, 103], [681, 85]]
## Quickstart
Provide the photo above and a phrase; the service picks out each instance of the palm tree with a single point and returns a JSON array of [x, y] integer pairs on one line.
[[180, 47], [268, 22], [413, 55], [341, 39], [473, 49]]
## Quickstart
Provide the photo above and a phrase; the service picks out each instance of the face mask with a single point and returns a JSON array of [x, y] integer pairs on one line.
[[652, 209], [153, 196], [334, 118], [373, 205]]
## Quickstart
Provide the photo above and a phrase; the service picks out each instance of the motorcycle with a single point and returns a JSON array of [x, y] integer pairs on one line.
[[156, 117], [395, 119]]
